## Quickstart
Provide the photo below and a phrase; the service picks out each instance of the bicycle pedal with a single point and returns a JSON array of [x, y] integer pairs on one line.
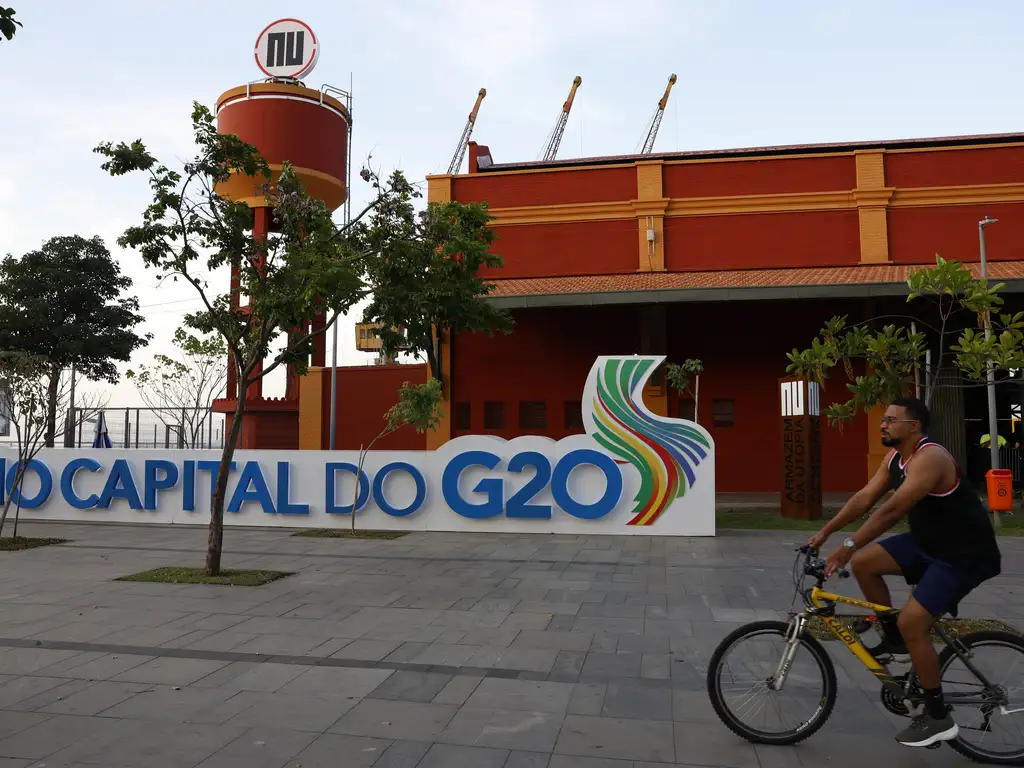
[[936, 745]]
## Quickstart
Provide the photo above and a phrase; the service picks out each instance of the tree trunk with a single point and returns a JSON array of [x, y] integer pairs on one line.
[[432, 358], [51, 405], [17, 514], [8, 496], [355, 499], [215, 543], [696, 399]]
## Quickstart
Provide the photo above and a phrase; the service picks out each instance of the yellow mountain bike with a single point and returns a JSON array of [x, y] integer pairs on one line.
[[746, 692]]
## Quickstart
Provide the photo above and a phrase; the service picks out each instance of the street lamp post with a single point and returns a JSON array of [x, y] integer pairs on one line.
[[993, 424]]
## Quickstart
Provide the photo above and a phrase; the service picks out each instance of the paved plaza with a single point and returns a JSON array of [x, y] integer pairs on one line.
[[433, 650]]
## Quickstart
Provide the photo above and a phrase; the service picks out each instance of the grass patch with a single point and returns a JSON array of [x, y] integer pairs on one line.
[[18, 543], [176, 575], [342, 533], [771, 519], [955, 627]]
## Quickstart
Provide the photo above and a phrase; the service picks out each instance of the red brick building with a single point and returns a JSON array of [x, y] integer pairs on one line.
[[733, 256]]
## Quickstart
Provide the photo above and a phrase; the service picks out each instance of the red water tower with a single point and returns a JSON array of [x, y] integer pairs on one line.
[[310, 129]]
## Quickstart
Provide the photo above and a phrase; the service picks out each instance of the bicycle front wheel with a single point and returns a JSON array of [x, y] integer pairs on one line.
[[989, 733], [741, 678]]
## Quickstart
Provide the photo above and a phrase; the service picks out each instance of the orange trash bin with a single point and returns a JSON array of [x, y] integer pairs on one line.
[[1000, 489]]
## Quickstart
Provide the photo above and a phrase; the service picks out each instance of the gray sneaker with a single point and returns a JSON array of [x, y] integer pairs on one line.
[[924, 731]]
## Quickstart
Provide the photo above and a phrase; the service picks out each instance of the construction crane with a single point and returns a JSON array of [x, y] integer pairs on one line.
[[460, 151], [555, 137], [652, 128]]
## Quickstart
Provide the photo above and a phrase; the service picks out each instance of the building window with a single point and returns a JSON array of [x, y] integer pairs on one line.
[[573, 415], [533, 415], [463, 412], [686, 408], [722, 412], [494, 415]]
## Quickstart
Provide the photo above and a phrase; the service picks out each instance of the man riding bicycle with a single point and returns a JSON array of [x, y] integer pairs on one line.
[[950, 550]]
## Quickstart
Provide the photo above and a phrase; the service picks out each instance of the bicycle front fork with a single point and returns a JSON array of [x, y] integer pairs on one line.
[[796, 627]]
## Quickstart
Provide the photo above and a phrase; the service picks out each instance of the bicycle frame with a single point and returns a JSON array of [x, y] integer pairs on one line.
[[821, 604]]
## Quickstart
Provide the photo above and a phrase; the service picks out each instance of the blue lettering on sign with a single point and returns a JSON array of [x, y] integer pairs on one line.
[[492, 486], [378, 488], [67, 480], [120, 485], [284, 506], [518, 505], [333, 508], [162, 475], [154, 483], [251, 475], [560, 484], [45, 484]]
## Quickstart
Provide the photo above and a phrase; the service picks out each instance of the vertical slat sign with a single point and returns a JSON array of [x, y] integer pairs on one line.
[[800, 406]]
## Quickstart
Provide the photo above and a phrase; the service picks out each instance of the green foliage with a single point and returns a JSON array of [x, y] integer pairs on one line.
[[8, 24], [301, 269], [678, 374], [893, 354], [424, 278], [418, 406], [67, 302]]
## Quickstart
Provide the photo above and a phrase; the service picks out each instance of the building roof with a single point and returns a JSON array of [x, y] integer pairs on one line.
[[786, 149], [648, 287]]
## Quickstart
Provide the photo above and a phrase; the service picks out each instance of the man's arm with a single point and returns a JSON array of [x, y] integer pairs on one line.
[[923, 476], [858, 504]]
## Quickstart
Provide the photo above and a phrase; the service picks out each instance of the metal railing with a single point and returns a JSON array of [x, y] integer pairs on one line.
[[143, 428]]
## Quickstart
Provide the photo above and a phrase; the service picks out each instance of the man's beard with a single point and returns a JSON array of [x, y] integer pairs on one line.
[[890, 442]]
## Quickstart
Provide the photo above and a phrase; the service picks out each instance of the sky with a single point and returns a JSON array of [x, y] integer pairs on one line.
[[750, 73]]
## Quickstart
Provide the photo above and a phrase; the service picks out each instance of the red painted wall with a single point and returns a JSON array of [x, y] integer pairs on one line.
[[917, 234], [991, 165], [578, 248], [744, 358], [546, 358], [762, 241], [268, 430], [760, 177], [551, 351], [365, 393], [583, 185]]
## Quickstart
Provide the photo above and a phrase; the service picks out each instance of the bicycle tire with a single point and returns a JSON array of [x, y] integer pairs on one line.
[[945, 657], [816, 650]]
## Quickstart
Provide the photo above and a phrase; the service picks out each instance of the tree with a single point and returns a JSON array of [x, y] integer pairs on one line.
[[8, 25], [893, 354], [418, 406], [25, 390], [424, 281], [678, 375], [304, 267], [181, 389], [67, 303]]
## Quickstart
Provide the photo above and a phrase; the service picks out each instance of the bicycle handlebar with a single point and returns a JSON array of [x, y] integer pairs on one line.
[[815, 566]]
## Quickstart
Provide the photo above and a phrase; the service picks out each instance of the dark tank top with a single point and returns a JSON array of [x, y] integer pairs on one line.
[[952, 526]]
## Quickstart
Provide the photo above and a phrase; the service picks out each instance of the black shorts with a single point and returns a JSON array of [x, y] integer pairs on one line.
[[939, 586]]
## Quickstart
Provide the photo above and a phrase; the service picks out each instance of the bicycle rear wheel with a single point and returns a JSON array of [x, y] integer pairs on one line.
[[986, 733], [740, 692]]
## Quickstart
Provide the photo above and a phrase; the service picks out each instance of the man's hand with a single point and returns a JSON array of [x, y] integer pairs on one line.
[[839, 558], [818, 539]]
